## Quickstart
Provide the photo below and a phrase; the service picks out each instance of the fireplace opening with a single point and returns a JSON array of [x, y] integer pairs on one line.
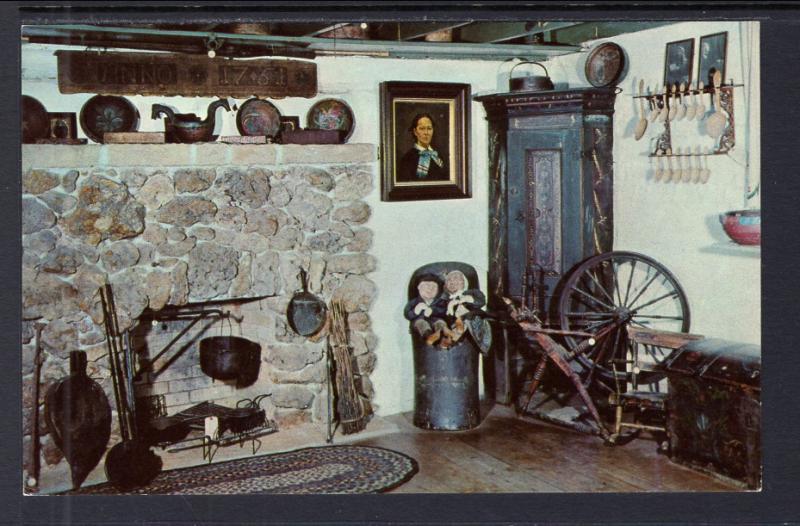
[[199, 369]]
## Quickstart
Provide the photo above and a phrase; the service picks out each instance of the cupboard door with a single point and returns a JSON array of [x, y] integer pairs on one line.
[[543, 208]]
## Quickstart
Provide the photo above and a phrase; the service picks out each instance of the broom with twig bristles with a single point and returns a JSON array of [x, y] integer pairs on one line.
[[349, 404]]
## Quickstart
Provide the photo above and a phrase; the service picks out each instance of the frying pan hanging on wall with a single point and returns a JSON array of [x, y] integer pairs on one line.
[[306, 313]]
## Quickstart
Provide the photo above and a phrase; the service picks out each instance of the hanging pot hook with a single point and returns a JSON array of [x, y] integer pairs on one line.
[[212, 45], [230, 325]]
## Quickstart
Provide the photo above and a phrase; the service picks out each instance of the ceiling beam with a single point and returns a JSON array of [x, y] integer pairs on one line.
[[410, 31], [444, 50], [325, 29], [297, 29], [177, 45], [587, 31], [495, 32], [338, 46]]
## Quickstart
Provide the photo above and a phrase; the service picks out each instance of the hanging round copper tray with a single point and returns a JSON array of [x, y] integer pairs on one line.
[[605, 65], [258, 117], [108, 114]]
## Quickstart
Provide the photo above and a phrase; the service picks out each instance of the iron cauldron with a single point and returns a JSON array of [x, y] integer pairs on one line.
[[230, 358]]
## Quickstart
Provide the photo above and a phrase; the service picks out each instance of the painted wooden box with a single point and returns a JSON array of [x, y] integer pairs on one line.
[[714, 408]]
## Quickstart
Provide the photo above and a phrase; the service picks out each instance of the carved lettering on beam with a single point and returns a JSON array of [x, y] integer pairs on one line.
[[170, 74]]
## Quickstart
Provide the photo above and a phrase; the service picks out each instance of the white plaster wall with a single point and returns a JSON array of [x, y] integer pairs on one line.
[[677, 223], [407, 234]]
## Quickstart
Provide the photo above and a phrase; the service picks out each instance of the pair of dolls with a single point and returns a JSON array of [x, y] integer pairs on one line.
[[439, 317]]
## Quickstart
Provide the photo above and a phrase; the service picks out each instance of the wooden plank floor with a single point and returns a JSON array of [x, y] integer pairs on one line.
[[506, 454]]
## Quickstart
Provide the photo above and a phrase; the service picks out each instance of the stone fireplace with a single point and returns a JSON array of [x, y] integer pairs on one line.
[[195, 226]]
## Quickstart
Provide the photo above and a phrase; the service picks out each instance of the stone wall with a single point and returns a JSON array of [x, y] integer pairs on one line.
[[179, 224]]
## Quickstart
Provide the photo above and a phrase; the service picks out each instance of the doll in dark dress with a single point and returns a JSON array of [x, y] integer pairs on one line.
[[422, 162], [426, 312]]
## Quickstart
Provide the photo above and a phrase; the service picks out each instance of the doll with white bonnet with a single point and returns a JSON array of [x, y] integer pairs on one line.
[[460, 299], [460, 302]]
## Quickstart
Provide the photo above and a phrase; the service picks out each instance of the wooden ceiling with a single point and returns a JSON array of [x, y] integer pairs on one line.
[[452, 39]]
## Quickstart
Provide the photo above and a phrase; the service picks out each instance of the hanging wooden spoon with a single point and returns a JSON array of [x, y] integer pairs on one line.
[[701, 109], [641, 126], [686, 175], [656, 112], [715, 125], [659, 167], [668, 173], [705, 172], [662, 117], [681, 111], [677, 174], [691, 108], [696, 166], [673, 104]]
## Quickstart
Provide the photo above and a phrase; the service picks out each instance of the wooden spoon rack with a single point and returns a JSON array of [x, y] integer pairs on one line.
[[726, 142]]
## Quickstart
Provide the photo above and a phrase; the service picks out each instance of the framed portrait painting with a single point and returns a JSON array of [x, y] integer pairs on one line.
[[678, 62], [713, 50], [424, 141]]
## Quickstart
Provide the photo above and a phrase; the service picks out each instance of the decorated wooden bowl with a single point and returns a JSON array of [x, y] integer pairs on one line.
[[742, 226], [35, 123], [258, 117], [331, 114], [108, 114]]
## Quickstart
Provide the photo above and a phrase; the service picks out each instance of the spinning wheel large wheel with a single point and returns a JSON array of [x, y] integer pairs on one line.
[[608, 293]]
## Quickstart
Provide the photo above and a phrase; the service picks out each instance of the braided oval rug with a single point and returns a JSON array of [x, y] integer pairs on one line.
[[328, 469]]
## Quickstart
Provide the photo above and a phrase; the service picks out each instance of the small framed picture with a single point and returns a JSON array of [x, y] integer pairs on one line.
[[678, 62], [424, 141], [713, 52]]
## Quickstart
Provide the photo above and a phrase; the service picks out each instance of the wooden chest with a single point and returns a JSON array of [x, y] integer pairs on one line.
[[714, 408]]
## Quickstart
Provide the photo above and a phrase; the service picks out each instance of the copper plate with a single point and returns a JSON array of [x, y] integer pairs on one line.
[[258, 117], [331, 114], [605, 65], [108, 114]]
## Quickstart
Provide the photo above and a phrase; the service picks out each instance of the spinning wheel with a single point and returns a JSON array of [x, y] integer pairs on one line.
[[608, 293]]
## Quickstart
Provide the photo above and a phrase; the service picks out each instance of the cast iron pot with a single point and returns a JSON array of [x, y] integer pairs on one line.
[[230, 358]]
